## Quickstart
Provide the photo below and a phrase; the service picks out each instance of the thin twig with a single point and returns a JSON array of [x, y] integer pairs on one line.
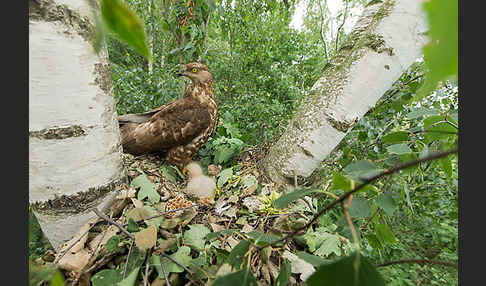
[[162, 264], [109, 220], [176, 262], [341, 26], [322, 30], [147, 263], [445, 263], [77, 240], [365, 182], [128, 257]]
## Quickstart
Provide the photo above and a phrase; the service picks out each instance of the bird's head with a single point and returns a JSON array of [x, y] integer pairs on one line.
[[197, 72], [193, 170]]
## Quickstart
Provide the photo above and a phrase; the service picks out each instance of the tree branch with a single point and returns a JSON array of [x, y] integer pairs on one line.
[[110, 221]]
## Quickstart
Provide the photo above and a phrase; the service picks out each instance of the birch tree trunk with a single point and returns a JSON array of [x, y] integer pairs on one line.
[[385, 41], [74, 141]]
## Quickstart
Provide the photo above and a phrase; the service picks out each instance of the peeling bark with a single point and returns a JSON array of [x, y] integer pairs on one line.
[[385, 41]]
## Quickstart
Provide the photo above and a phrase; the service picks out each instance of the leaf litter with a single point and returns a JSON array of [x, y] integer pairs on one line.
[[182, 240]]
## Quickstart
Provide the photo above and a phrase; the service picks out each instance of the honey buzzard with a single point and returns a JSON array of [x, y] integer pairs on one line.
[[178, 128]]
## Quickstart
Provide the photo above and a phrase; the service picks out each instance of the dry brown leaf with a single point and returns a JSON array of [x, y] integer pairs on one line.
[[231, 242], [274, 270], [74, 261], [126, 193], [231, 212], [146, 238], [138, 214], [166, 243], [266, 274], [216, 227], [214, 170], [158, 282], [137, 203], [247, 228]]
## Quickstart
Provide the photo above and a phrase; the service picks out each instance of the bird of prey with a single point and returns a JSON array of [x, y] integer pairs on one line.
[[178, 128]]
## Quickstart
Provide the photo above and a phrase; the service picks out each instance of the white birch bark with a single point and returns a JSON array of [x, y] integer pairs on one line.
[[74, 142], [385, 41]]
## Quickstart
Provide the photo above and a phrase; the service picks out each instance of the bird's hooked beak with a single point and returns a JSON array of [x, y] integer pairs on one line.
[[181, 73]]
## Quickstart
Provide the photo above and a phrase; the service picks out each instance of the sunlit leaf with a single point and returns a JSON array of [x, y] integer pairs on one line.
[[124, 23], [147, 189], [399, 149], [441, 53], [194, 237]]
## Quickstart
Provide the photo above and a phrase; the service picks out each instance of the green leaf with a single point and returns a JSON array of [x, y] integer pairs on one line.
[[374, 241], [124, 23], [284, 275], [194, 237], [446, 166], [262, 238], [107, 277], [441, 53], [132, 225], [384, 234], [399, 149], [353, 270], [224, 153], [224, 176], [218, 233], [130, 279], [242, 277], [287, 198], [387, 203], [237, 253], [340, 182], [360, 208], [395, 137], [112, 244], [321, 242], [422, 111], [362, 169], [57, 279], [169, 173], [330, 244], [436, 128], [136, 259], [182, 255], [147, 189], [312, 259]]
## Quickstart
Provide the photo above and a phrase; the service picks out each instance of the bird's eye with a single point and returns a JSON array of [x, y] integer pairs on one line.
[[194, 70]]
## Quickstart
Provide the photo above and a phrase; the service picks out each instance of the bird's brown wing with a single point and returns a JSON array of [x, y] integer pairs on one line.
[[174, 124], [141, 117]]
